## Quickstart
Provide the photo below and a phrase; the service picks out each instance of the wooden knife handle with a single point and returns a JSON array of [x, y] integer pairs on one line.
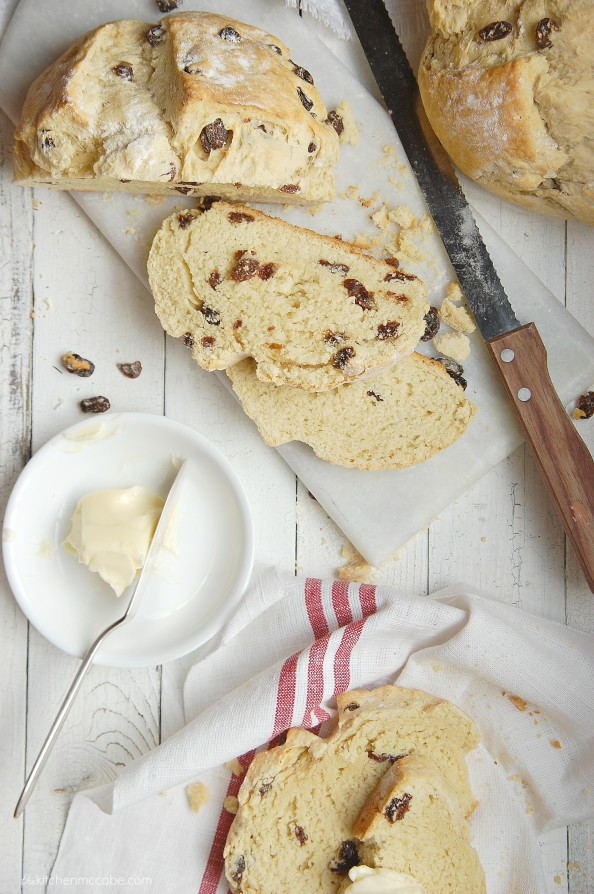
[[564, 460]]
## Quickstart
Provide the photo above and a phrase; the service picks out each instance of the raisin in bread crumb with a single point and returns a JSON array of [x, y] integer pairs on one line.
[[412, 822], [195, 104], [300, 801], [313, 311], [399, 418]]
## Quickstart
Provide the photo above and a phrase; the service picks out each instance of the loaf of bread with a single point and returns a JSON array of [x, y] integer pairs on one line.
[[397, 418], [196, 103], [313, 311], [509, 90], [300, 802], [412, 822]]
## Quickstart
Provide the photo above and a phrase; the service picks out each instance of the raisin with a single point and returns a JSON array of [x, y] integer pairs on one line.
[[312, 147], [130, 370], [213, 136], [265, 788], [207, 342], [397, 808], [334, 338], [238, 324], [171, 172], [98, 404], [183, 189], [454, 370], [124, 70], [402, 299], [214, 279], [307, 103], [230, 34], [353, 706], [334, 268], [388, 330], [239, 217], [78, 365], [340, 360], [266, 271], [168, 5], [384, 756], [495, 31], [379, 399], [358, 291], [543, 33], [393, 262], [185, 219], [192, 68], [245, 268], [398, 275], [584, 408], [335, 121], [188, 339], [276, 49], [347, 856], [432, 323], [239, 869], [206, 202], [124, 181], [155, 35], [290, 188], [46, 141], [302, 73], [211, 316], [300, 834]]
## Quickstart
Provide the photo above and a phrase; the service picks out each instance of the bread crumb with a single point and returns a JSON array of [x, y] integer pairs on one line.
[[456, 316], [455, 345], [557, 879], [356, 570], [314, 209], [155, 199], [454, 292], [555, 743], [403, 216], [198, 796], [231, 804], [426, 224], [350, 134], [388, 150], [395, 182], [578, 414], [407, 246], [36, 204], [381, 218], [372, 200], [130, 231], [133, 212], [235, 767], [518, 702], [483, 539]]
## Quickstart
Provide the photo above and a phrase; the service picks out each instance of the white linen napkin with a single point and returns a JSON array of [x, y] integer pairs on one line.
[[291, 647]]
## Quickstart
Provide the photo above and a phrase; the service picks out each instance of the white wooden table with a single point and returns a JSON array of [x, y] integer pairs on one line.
[[63, 288]]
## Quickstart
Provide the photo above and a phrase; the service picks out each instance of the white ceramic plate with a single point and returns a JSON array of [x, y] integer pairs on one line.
[[192, 593]]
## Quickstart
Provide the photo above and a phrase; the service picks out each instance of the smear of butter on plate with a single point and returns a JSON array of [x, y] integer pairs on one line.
[[112, 531]]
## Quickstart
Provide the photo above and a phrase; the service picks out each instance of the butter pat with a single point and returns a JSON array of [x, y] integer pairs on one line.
[[381, 881], [112, 531]]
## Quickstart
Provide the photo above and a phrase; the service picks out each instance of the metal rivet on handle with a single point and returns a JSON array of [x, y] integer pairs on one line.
[[507, 355], [524, 394]]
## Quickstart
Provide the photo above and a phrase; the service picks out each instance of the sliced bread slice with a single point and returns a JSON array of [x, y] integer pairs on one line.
[[313, 311]]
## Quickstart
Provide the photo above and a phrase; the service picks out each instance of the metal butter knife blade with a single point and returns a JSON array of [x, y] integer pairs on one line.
[[518, 352]]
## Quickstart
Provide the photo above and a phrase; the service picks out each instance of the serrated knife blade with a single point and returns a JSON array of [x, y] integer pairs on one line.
[[518, 352]]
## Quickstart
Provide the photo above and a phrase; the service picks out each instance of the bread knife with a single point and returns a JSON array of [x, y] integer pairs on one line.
[[517, 350]]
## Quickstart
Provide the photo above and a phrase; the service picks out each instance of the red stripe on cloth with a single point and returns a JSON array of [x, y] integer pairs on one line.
[[367, 599], [315, 609], [315, 661], [342, 659], [215, 862], [340, 602], [285, 697]]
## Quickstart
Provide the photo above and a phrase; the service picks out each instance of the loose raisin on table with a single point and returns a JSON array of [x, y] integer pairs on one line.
[[130, 370], [245, 268], [230, 34], [290, 188], [347, 856], [388, 330], [334, 338], [334, 268], [302, 73], [155, 35], [238, 870], [340, 360], [432, 323], [207, 342], [397, 807], [358, 291], [584, 408], [97, 404], [543, 33], [124, 70], [335, 121], [168, 5], [379, 399], [214, 279], [185, 219], [495, 31], [188, 339], [78, 365], [266, 271], [239, 217], [213, 136], [307, 103]]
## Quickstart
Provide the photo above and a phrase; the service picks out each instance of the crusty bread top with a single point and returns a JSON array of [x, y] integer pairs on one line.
[[197, 98], [516, 113], [313, 311]]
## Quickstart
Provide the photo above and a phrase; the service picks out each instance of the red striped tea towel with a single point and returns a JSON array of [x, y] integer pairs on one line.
[[292, 646]]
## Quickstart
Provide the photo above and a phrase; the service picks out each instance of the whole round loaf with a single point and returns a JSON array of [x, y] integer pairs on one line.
[[509, 90], [197, 103]]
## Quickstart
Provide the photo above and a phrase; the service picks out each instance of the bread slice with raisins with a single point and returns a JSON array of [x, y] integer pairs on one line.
[[313, 311], [300, 802], [412, 822], [395, 419], [196, 103]]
